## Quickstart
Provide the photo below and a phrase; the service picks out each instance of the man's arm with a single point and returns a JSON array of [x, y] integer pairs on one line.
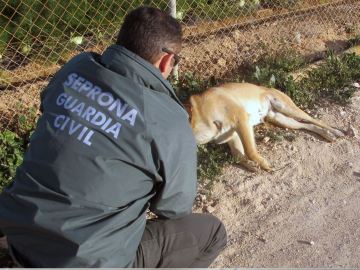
[[175, 196], [177, 167]]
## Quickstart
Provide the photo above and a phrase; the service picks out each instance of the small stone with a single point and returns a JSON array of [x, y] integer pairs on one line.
[[349, 164], [210, 209], [311, 243], [266, 139], [357, 85], [221, 62], [262, 239]]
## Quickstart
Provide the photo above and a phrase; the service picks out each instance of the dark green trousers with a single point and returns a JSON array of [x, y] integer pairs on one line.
[[192, 242]]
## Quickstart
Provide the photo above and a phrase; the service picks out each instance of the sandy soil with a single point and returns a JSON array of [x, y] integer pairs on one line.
[[306, 213], [310, 34]]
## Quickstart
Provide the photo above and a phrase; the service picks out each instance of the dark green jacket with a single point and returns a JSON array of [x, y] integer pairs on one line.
[[113, 137]]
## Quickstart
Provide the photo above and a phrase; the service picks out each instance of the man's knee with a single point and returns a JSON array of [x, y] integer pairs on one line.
[[219, 235], [210, 231]]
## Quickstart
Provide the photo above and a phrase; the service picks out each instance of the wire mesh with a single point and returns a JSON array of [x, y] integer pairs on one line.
[[37, 37]]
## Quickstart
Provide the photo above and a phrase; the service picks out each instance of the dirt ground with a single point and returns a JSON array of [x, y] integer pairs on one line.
[[309, 34], [305, 213]]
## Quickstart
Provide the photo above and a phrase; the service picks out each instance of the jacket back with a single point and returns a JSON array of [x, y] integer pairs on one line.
[[112, 139]]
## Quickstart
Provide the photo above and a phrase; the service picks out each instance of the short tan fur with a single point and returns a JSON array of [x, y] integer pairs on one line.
[[228, 113]]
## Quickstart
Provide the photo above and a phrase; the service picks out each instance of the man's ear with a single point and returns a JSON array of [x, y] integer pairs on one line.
[[165, 65]]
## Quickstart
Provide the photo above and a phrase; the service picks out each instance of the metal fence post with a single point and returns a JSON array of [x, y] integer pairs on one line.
[[172, 5]]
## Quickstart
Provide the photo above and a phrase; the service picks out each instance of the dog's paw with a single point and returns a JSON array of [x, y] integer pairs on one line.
[[251, 165], [254, 166], [248, 164], [264, 164], [338, 133], [330, 135]]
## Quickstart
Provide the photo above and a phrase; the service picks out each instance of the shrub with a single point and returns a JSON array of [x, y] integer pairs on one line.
[[279, 3], [47, 29], [11, 155], [190, 11], [211, 160], [330, 80], [13, 144]]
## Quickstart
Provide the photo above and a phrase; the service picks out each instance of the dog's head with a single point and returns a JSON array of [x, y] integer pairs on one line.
[[203, 124]]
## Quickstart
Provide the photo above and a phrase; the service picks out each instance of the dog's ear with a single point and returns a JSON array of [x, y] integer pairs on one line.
[[218, 124], [187, 106]]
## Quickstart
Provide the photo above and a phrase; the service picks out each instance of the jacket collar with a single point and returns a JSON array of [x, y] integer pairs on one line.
[[126, 63]]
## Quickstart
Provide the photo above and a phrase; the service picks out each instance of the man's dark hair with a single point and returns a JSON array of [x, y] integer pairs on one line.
[[146, 31]]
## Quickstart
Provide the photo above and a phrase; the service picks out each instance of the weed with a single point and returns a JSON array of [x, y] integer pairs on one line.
[[354, 41], [331, 80], [14, 143], [211, 159], [189, 84], [12, 149], [275, 134]]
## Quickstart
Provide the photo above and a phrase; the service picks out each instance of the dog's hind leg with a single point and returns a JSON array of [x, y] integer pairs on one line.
[[286, 106], [281, 120], [237, 150]]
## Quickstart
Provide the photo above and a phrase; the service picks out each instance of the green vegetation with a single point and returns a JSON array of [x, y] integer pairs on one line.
[[280, 3], [46, 30], [211, 160], [11, 156], [13, 144], [330, 80], [190, 11]]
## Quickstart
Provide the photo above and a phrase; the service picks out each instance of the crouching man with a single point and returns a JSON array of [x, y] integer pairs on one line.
[[113, 141]]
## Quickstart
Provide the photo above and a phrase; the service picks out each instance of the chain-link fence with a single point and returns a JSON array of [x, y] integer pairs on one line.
[[37, 37]]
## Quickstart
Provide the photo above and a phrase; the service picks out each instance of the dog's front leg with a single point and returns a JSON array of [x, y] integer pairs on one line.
[[246, 133], [237, 150]]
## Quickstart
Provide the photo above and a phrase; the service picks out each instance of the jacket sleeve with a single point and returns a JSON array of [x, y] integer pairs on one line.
[[177, 178]]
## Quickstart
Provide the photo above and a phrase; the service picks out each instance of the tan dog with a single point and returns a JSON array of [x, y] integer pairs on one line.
[[228, 113]]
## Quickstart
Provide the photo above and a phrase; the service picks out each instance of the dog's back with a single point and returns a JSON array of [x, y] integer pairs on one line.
[[255, 100]]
